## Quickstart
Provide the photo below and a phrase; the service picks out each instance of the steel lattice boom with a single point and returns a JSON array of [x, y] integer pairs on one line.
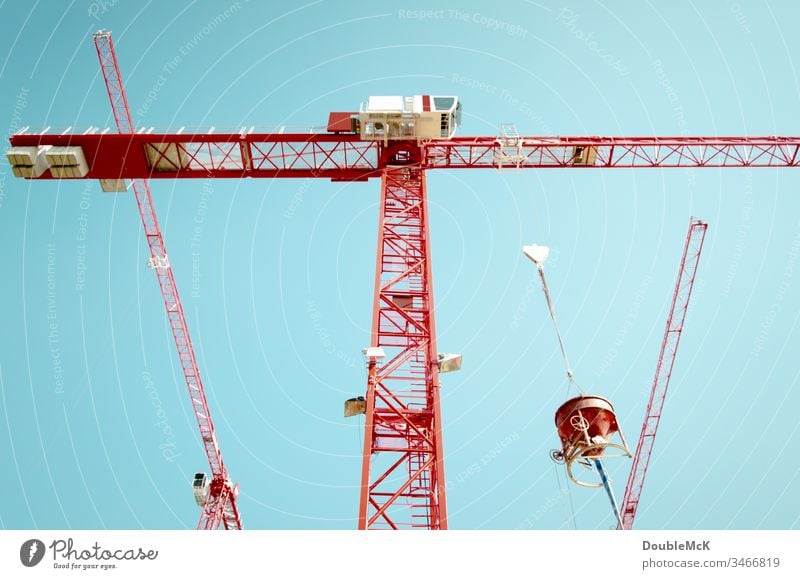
[[403, 468], [220, 508], [666, 362], [346, 157]]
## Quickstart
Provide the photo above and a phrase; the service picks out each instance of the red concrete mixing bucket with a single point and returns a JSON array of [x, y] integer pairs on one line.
[[584, 416]]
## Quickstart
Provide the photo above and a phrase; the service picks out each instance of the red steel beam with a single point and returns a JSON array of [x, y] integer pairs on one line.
[[616, 152]]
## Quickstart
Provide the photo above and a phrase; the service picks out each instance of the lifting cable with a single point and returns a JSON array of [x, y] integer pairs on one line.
[[570, 376], [562, 491]]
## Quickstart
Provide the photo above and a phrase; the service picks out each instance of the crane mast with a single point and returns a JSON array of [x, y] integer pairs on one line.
[[403, 483], [666, 361], [220, 508]]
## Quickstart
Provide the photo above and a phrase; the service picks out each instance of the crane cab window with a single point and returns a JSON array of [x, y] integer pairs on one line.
[[443, 103]]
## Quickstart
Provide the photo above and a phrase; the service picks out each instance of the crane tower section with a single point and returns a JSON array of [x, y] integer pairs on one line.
[[403, 483]]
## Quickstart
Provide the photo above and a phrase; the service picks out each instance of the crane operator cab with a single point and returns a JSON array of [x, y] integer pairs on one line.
[[388, 118], [200, 486]]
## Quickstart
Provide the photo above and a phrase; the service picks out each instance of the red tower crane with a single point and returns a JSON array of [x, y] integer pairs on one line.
[[666, 361], [396, 139], [218, 496]]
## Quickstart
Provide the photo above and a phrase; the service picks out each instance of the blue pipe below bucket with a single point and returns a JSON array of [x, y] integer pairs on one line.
[[609, 492]]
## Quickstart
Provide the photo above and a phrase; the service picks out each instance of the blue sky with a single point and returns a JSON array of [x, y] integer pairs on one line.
[[96, 430]]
